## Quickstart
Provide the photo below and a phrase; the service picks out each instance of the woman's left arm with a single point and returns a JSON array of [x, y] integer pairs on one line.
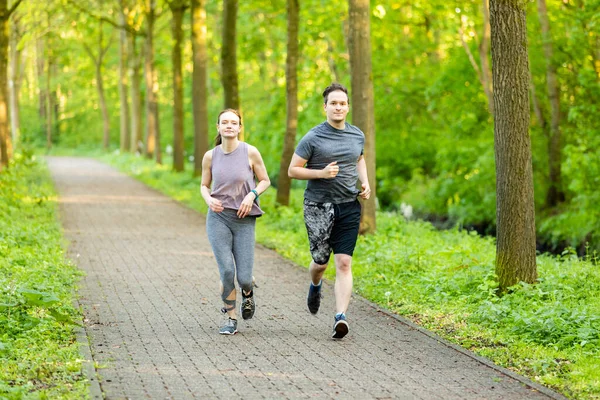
[[260, 171]]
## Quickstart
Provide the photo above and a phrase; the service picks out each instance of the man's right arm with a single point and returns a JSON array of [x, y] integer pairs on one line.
[[298, 171]]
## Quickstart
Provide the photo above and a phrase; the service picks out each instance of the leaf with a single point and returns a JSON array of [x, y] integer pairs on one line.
[[4, 306], [37, 298], [60, 317]]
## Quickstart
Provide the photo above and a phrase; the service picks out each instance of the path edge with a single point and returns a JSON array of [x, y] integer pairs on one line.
[[85, 349], [524, 380]]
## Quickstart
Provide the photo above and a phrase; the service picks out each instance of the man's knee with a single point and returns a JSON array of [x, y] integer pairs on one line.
[[319, 266], [343, 262]]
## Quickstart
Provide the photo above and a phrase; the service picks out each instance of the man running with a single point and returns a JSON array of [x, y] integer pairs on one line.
[[330, 156]]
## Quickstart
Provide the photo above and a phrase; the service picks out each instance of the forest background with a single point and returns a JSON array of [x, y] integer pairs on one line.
[[432, 90], [73, 62]]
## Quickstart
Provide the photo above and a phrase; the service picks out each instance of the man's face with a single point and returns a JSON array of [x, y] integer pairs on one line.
[[337, 106]]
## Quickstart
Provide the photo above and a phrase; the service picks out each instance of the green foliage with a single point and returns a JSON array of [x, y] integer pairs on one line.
[[435, 140], [445, 281], [39, 357]]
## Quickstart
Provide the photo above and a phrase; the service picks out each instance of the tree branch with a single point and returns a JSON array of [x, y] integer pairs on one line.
[[13, 8], [89, 51], [104, 19], [470, 55]]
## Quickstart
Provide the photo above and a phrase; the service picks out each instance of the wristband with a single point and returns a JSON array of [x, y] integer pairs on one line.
[[255, 193]]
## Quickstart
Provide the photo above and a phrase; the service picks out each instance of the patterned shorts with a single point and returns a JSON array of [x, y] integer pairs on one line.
[[331, 227]]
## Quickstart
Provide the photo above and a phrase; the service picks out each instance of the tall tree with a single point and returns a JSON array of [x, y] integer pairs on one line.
[[15, 77], [229, 75], [125, 134], [44, 64], [555, 193], [98, 60], [291, 78], [47, 70], [199, 83], [135, 66], [48, 80], [363, 103], [515, 212], [484, 51], [152, 141], [40, 62], [331, 60], [484, 73], [178, 8], [134, 19], [5, 139]]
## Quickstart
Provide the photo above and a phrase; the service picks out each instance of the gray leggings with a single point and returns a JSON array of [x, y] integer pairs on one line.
[[232, 242]]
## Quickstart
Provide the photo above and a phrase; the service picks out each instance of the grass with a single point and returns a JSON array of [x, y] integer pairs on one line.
[[445, 282], [39, 356]]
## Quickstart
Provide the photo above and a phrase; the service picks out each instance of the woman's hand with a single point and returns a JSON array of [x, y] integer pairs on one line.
[[215, 205], [246, 205]]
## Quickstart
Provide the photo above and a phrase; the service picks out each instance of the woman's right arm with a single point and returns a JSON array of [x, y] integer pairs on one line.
[[214, 204]]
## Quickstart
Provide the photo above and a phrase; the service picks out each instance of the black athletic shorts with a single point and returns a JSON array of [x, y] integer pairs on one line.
[[331, 227]]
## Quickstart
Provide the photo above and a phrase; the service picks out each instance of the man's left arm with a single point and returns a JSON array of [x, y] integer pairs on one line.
[[361, 167]]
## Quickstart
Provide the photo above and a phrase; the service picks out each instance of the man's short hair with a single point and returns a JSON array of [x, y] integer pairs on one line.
[[333, 88]]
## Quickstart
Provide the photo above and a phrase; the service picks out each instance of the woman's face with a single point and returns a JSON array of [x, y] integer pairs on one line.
[[229, 125]]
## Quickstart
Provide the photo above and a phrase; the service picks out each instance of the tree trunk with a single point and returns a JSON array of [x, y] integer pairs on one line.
[[136, 144], [152, 125], [125, 135], [537, 108], [331, 61], [484, 73], [484, 49], [199, 80], [98, 61], [275, 64], [16, 66], [177, 9], [363, 103], [229, 55], [48, 98], [40, 66], [54, 103], [291, 75], [103, 107], [5, 146], [555, 193], [515, 212]]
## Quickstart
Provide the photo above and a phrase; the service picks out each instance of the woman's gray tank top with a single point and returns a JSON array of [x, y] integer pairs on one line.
[[232, 178]]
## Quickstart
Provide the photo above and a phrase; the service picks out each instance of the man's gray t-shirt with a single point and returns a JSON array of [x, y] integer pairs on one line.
[[323, 145]]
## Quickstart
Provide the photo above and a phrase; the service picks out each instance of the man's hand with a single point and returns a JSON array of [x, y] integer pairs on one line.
[[330, 171], [366, 192]]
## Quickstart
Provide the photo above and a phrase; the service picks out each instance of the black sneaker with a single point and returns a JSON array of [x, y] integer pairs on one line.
[[313, 301], [340, 327], [248, 307]]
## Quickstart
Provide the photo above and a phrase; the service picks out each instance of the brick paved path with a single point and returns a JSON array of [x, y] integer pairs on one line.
[[151, 304]]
